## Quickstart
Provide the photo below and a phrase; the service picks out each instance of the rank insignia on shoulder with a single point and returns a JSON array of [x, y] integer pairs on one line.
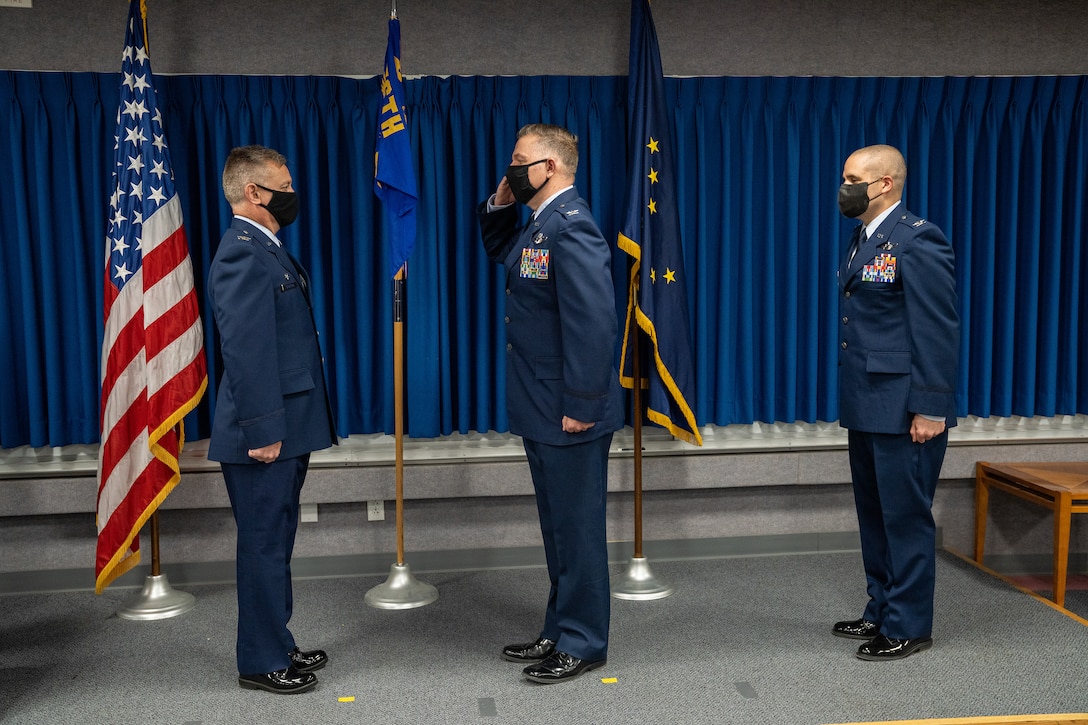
[[245, 237], [572, 212], [539, 238], [918, 223]]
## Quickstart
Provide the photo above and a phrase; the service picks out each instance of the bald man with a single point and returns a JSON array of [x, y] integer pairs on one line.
[[898, 355]]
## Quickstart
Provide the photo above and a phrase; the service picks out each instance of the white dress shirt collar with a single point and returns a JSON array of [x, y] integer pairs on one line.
[[550, 199], [872, 226]]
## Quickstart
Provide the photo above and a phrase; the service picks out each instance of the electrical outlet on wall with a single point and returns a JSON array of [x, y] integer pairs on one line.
[[375, 510]]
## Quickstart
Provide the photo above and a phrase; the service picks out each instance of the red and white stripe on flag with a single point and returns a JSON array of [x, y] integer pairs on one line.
[[153, 366]]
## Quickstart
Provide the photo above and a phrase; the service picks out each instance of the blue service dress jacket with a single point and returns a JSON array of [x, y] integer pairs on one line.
[[273, 385], [898, 327], [561, 324]]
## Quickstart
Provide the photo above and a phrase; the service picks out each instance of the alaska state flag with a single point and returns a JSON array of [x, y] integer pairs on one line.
[[394, 176], [657, 295]]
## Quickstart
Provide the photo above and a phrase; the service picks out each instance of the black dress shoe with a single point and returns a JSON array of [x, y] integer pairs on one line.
[[283, 682], [559, 667], [529, 651], [885, 648], [310, 661], [856, 629]]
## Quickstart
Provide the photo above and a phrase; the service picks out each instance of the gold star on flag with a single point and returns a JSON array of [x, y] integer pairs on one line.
[[653, 275], [670, 276], [652, 206], [653, 146], [652, 176]]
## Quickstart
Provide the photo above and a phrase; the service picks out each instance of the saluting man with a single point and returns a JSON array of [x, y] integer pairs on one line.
[[562, 389]]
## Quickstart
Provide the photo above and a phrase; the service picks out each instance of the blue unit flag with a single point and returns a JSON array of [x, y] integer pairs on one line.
[[394, 176]]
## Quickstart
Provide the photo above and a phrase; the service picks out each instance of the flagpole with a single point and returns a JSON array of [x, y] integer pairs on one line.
[[637, 582], [636, 368], [398, 404], [157, 600], [401, 590]]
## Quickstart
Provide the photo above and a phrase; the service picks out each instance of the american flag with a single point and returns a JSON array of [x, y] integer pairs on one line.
[[153, 366]]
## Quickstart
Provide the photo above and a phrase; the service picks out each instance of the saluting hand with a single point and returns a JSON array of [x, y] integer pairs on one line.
[[503, 195]]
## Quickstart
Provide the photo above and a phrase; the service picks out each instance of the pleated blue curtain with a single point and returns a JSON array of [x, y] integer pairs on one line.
[[999, 163]]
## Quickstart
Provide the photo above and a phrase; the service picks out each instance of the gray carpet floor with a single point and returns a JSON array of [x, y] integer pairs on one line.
[[1076, 601], [743, 640]]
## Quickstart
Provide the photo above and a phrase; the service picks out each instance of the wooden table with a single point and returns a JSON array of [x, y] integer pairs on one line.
[[1060, 487]]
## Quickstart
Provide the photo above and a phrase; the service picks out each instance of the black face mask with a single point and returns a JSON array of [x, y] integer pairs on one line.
[[854, 198], [517, 176], [283, 206]]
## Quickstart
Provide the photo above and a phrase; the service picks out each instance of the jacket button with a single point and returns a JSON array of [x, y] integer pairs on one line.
[[509, 347], [508, 290], [847, 294], [845, 320], [844, 344], [506, 319]]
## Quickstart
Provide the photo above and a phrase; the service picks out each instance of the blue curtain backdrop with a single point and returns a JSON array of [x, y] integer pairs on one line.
[[999, 163]]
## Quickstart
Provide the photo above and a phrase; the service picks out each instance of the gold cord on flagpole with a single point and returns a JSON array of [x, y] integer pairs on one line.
[[143, 17]]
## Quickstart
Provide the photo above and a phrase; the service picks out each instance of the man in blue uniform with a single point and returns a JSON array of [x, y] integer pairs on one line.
[[562, 389], [899, 343], [271, 411]]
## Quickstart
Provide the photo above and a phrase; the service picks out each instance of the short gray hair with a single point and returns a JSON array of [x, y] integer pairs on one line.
[[246, 164], [556, 140]]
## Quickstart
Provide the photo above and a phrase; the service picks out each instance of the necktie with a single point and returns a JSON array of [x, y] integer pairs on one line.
[[860, 241], [298, 269]]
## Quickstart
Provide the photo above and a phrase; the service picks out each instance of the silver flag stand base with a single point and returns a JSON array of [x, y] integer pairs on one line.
[[158, 600], [401, 591], [639, 583]]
